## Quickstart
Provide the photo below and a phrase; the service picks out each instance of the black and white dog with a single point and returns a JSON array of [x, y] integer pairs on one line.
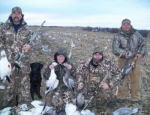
[[35, 79]]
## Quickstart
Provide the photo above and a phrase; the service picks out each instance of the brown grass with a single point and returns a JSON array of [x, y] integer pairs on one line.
[[85, 43]]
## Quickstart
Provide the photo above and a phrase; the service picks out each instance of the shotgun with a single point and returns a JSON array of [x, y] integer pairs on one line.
[[21, 55]]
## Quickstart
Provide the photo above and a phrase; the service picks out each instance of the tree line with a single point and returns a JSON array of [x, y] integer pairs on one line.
[[144, 33]]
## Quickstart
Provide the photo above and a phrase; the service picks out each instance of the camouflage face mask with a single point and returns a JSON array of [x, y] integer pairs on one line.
[[96, 62]]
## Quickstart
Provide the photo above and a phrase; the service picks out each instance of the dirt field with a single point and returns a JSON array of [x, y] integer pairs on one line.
[[84, 44]]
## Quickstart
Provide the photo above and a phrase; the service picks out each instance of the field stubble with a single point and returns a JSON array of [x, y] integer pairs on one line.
[[85, 42]]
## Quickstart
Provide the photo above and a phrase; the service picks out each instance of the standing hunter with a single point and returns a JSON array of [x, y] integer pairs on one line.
[[13, 37], [126, 44], [92, 72]]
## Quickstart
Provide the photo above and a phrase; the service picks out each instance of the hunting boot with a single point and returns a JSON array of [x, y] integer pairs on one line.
[[6, 104], [112, 104], [138, 103], [26, 101]]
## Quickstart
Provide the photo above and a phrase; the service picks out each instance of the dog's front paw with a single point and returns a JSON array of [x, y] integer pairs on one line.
[[40, 97]]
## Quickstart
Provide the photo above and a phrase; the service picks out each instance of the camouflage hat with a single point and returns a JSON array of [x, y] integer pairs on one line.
[[126, 21], [17, 8], [98, 50], [61, 51]]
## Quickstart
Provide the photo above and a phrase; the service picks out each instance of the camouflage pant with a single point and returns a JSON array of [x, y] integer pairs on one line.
[[103, 97], [20, 86], [60, 97]]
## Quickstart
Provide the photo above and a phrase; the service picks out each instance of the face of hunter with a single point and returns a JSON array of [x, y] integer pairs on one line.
[[126, 27], [60, 59], [97, 56], [16, 16]]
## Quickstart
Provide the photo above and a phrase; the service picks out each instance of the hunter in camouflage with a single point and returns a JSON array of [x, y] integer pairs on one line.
[[91, 72], [13, 37], [126, 44], [61, 92]]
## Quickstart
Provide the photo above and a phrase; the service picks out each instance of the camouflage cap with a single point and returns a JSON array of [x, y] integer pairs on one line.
[[61, 51], [16, 8], [98, 50], [126, 21]]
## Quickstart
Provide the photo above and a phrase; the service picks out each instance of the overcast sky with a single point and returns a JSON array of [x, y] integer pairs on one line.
[[94, 13]]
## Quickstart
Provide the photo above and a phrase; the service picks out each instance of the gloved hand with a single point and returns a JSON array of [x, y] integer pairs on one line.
[[80, 85]]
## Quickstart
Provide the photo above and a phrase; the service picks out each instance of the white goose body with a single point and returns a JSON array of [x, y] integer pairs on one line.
[[52, 82]]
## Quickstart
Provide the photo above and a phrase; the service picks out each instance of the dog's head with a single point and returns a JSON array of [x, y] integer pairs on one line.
[[36, 67]]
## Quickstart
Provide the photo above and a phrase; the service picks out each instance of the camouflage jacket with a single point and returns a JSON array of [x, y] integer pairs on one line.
[[86, 72], [60, 71], [123, 43], [11, 41]]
